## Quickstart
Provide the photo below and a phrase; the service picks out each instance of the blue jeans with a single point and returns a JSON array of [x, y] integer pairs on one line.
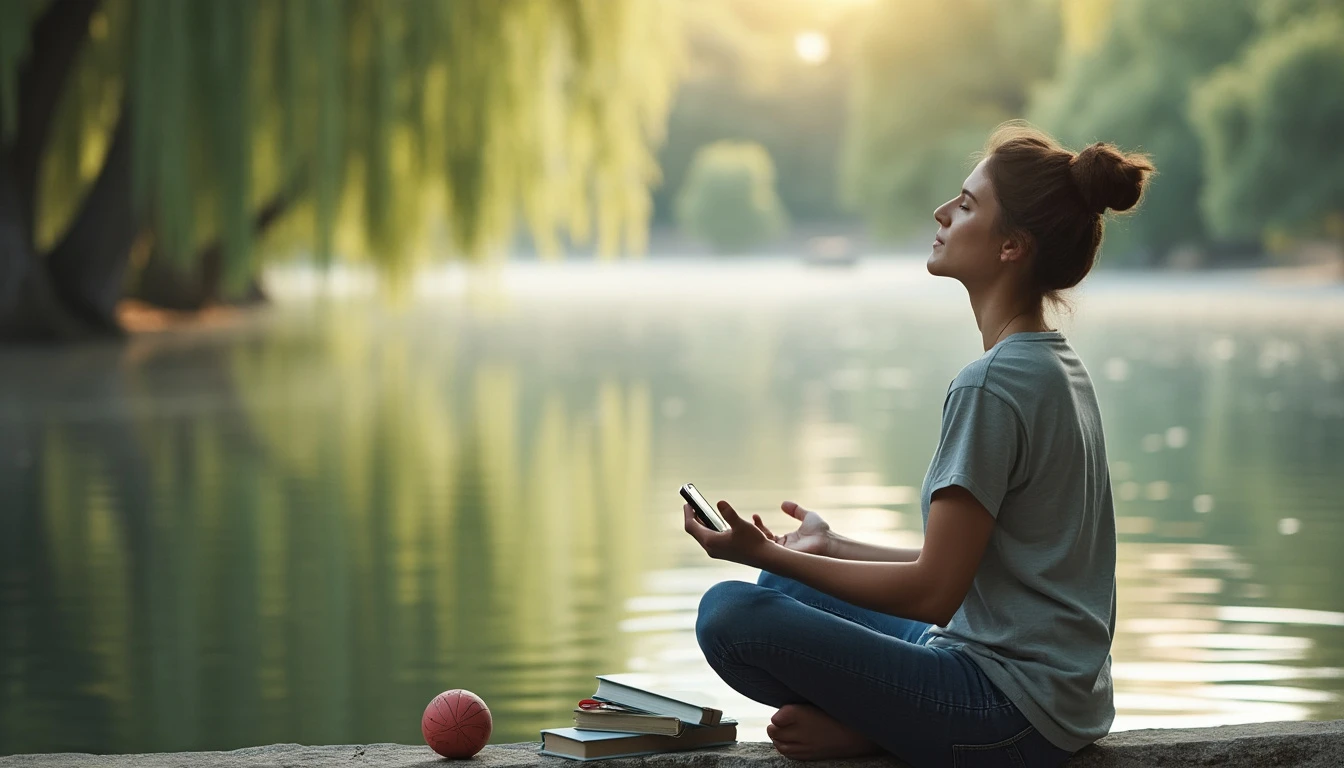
[[780, 642]]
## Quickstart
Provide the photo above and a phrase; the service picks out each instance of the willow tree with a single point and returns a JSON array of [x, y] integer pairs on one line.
[[169, 134]]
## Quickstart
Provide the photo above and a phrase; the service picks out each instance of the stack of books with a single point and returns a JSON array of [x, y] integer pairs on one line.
[[624, 720]]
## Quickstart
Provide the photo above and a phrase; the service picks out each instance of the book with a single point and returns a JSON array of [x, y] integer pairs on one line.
[[628, 721], [576, 744], [612, 689]]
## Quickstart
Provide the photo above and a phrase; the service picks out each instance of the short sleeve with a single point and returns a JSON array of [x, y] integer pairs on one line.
[[981, 442]]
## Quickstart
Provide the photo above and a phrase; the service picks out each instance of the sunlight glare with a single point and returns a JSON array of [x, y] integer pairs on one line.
[[812, 47]]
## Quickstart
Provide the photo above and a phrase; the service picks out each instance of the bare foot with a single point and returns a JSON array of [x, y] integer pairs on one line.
[[803, 732]]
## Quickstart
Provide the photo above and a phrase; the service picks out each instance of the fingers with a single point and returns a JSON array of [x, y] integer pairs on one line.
[[729, 513], [793, 510], [765, 530], [693, 526]]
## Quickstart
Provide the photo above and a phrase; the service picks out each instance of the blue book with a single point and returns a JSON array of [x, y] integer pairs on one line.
[[624, 690], [576, 744]]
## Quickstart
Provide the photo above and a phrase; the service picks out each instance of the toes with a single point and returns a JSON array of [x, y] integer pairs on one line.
[[785, 715]]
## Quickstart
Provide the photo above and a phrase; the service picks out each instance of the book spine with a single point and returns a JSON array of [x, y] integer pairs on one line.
[[677, 709], [683, 710], [634, 754]]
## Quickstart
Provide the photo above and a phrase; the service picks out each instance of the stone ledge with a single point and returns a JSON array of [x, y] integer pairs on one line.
[[1312, 745]]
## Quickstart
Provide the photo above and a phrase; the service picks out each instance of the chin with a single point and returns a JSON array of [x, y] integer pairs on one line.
[[938, 265], [934, 264]]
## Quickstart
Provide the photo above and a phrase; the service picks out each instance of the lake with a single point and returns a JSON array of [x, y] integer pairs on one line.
[[300, 526]]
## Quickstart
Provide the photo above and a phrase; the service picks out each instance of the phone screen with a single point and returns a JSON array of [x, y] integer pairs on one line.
[[706, 513]]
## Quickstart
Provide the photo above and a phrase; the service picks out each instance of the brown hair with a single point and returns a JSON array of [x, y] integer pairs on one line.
[[1057, 197]]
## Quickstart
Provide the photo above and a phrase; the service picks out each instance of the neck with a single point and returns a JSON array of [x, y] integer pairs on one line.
[[1000, 313]]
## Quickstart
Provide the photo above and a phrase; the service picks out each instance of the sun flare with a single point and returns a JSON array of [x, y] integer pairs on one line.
[[812, 47]]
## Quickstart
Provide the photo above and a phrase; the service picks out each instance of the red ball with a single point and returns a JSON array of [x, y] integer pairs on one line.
[[456, 723]]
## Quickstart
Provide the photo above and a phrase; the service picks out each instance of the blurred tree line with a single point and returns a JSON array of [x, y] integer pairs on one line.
[[1237, 101], [744, 81], [728, 198], [148, 145]]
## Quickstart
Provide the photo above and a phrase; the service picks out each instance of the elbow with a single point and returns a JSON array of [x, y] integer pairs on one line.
[[940, 596], [939, 609], [937, 615], [930, 597]]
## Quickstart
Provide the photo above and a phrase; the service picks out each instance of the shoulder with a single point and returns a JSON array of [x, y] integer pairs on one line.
[[1016, 372]]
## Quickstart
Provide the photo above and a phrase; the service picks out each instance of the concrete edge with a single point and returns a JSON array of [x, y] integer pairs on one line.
[[1309, 744]]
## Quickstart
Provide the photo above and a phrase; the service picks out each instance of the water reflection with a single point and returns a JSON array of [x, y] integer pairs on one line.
[[303, 528], [345, 531]]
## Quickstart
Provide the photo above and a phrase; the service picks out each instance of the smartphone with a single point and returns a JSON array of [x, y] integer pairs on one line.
[[704, 512]]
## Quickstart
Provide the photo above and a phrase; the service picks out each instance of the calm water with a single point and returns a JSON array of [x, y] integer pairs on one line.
[[301, 528]]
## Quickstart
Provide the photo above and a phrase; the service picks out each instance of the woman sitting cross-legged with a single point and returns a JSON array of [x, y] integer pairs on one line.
[[990, 644]]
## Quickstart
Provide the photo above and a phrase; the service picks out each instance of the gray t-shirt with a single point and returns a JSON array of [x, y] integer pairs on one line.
[[1022, 432]]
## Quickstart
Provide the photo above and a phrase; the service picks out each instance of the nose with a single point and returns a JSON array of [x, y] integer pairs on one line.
[[940, 214]]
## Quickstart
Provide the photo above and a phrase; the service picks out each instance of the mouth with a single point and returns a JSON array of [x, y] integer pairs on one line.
[[938, 240]]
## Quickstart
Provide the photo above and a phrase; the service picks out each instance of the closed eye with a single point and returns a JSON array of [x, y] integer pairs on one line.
[[963, 207]]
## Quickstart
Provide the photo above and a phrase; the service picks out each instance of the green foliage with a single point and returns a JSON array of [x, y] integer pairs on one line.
[[1133, 89], [729, 198], [1230, 97], [746, 82], [384, 116], [15, 16], [86, 115], [929, 86], [1276, 14], [1270, 125]]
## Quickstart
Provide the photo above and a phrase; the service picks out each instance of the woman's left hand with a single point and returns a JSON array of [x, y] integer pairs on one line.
[[742, 543]]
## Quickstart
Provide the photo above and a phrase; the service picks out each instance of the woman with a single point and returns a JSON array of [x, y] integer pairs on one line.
[[990, 644]]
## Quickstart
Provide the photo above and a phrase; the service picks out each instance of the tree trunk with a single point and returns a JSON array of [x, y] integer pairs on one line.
[[32, 306], [188, 288], [88, 266], [57, 36], [200, 285], [167, 285], [30, 310]]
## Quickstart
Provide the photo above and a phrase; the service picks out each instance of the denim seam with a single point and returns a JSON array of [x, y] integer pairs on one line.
[[1008, 742], [880, 681]]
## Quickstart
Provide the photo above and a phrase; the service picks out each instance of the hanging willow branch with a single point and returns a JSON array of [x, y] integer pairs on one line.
[[482, 114]]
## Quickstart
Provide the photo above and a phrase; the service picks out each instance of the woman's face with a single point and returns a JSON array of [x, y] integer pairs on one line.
[[968, 244]]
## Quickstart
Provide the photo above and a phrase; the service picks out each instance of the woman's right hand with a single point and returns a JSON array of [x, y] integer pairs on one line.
[[813, 535]]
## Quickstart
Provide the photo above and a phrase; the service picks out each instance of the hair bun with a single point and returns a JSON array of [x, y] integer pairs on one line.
[[1109, 178]]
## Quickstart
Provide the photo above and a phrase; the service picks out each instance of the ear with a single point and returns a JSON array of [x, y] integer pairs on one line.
[[1016, 247]]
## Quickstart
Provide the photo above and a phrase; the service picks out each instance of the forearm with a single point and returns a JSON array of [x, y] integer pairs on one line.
[[843, 548], [902, 589]]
